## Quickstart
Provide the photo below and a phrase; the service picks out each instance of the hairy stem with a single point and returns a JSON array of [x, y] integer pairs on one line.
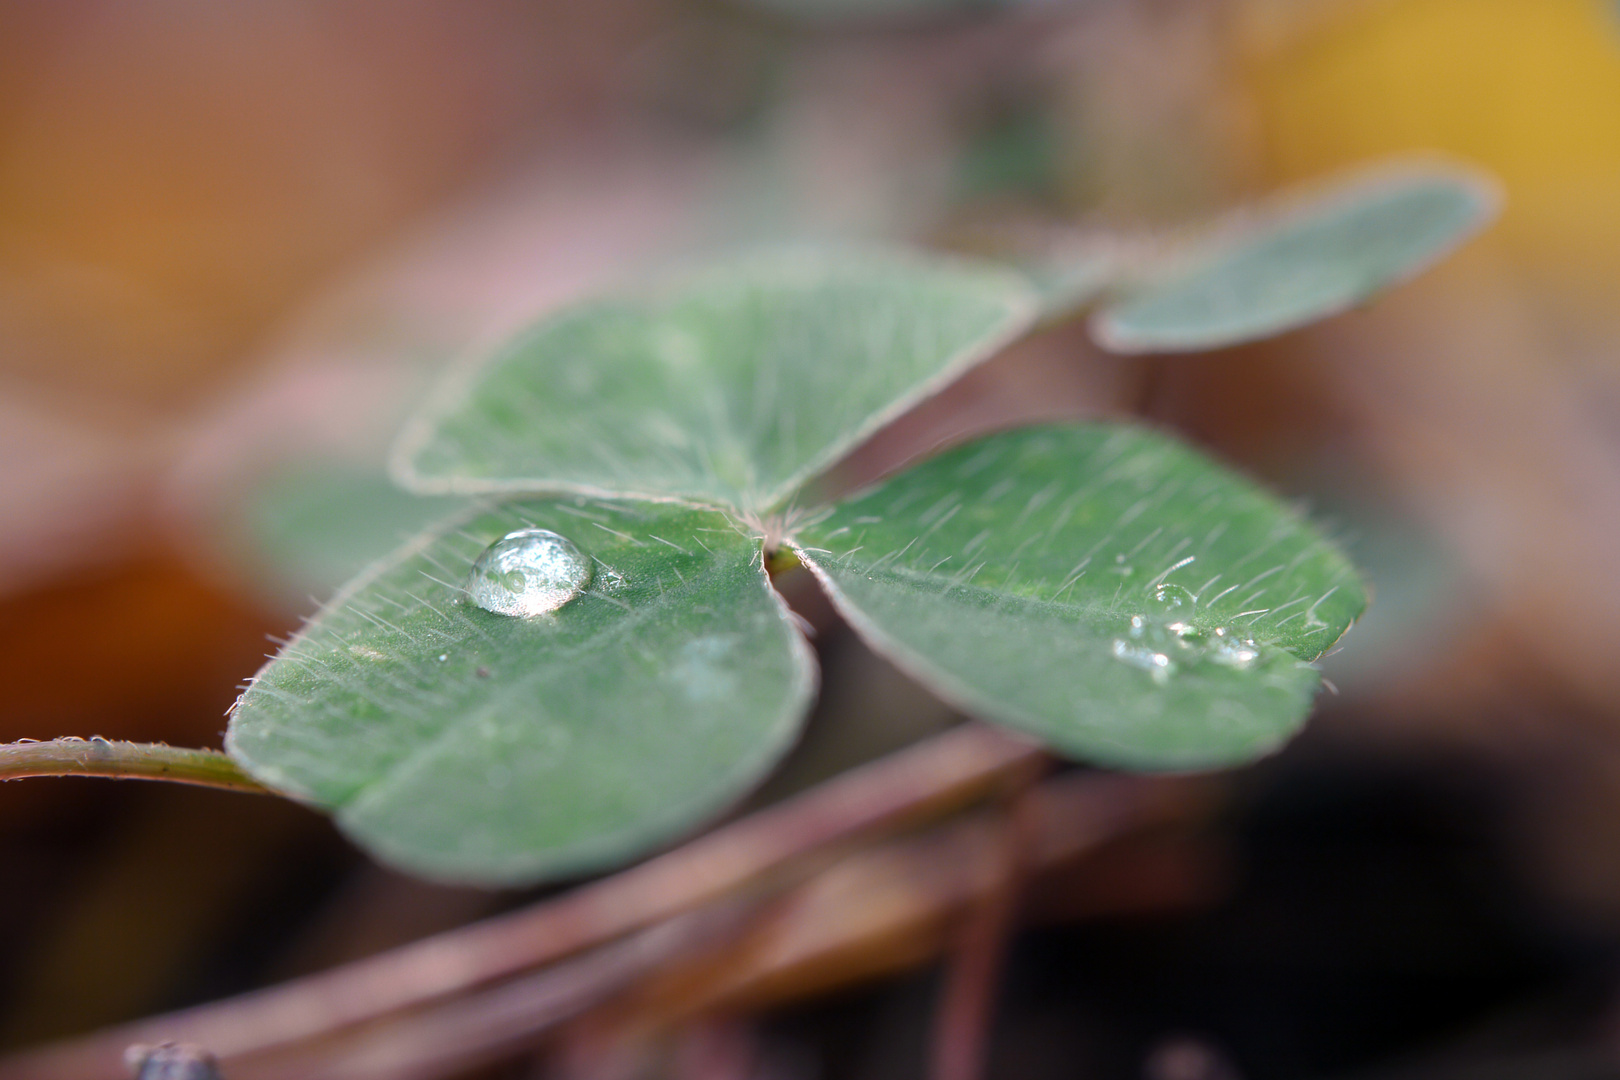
[[124, 761]]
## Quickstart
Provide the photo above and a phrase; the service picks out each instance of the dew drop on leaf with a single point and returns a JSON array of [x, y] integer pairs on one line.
[[1167, 649], [1233, 651], [1174, 598], [528, 572], [1155, 663]]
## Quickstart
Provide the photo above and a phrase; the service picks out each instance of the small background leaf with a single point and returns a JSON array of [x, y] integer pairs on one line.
[[1299, 261], [736, 384], [311, 526], [465, 745], [1006, 574]]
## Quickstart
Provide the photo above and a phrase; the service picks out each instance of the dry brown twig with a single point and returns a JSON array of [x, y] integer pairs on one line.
[[893, 905], [967, 1003], [923, 782], [487, 1025], [804, 895]]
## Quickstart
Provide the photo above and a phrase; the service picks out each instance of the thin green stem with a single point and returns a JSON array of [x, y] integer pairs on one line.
[[124, 761]]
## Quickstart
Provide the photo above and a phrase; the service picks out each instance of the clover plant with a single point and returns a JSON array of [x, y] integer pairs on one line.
[[588, 658]]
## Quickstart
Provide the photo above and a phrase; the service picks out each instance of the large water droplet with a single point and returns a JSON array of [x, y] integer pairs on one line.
[[528, 572]]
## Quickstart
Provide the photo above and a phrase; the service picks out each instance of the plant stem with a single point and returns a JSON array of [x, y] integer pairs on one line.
[[124, 761]]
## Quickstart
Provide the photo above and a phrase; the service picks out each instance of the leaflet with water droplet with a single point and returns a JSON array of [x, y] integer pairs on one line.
[[528, 572]]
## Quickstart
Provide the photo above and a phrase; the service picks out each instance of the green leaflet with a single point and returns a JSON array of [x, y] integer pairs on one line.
[[1299, 261], [1006, 575], [465, 745], [734, 385]]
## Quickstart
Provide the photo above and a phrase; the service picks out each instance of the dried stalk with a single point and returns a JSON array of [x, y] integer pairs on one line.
[[897, 904], [966, 1012], [484, 1026], [875, 911], [915, 785]]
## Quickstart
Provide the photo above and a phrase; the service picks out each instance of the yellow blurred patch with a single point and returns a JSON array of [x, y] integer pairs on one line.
[[1529, 89]]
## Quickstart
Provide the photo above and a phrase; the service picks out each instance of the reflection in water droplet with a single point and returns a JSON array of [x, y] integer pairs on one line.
[[1175, 598], [1238, 652], [1155, 663], [1181, 648], [1186, 633], [608, 579], [528, 572]]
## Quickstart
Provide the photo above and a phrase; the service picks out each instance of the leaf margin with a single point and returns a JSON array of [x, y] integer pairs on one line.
[[460, 378]]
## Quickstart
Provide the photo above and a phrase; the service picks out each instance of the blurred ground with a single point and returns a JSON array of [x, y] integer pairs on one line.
[[236, 241]]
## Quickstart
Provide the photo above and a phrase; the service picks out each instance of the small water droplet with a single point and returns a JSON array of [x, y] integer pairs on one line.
[[528, 572], [1155, 663], [1237, 652], [1174, 598], [609, 579], [1188, 637]]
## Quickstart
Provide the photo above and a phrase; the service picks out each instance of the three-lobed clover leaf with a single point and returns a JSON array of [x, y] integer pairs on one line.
[[1100, 586]]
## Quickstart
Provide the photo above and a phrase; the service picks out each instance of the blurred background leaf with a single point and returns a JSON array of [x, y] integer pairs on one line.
[[1292, 261], [309, 530]]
